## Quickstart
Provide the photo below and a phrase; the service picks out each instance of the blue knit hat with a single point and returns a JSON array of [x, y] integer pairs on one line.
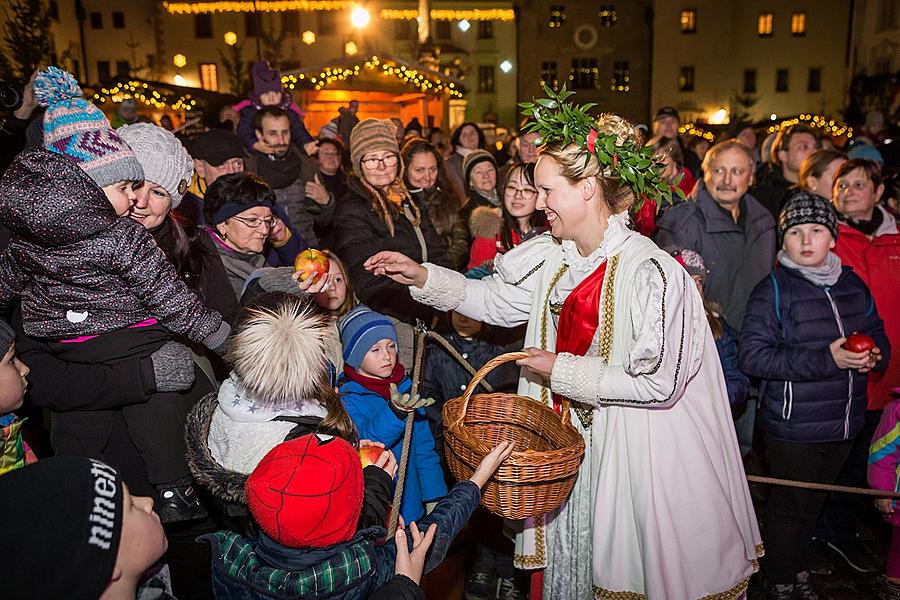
[[362, 328], [78, 129]]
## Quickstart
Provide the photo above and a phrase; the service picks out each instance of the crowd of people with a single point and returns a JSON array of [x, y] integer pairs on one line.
[[205, 399]]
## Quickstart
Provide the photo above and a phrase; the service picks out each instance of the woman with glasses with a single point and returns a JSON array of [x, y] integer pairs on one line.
[[378, 213], [519, 218], [238, 208], [430, 186]]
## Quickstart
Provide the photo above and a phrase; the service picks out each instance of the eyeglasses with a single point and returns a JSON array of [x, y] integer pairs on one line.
[[525, 193], [255, 222], [387, 161]]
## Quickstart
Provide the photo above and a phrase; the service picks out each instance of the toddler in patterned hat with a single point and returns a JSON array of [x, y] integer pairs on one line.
[[83, 269]]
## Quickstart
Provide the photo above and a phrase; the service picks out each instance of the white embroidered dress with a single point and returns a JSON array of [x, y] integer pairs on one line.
[[661, 508]]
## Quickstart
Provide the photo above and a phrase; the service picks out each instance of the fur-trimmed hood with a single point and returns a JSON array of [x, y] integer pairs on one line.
[[485, 222], [222, 483]]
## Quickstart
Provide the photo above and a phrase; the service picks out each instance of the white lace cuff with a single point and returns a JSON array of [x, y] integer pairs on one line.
[[577, 377], [444, 289]]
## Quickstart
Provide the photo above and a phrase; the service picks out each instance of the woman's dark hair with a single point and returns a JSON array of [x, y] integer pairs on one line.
[[871, 168], [187, 253], [237, 188], [458, 132], [537, 218], [336, 143], [446, 212]]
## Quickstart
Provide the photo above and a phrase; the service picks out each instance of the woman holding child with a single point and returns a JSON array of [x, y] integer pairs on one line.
[[616, 326]]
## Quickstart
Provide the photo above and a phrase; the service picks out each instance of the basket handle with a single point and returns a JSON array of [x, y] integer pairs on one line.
[[487, 368]]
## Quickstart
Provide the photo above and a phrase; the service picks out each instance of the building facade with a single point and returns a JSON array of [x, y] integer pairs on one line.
[[752, 58], [601, 50]]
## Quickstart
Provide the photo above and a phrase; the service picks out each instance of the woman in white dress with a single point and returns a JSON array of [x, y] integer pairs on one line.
[[660, 509]]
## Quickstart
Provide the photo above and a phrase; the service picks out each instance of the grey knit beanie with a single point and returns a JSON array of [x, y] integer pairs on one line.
[[164, 160], [372, 135]]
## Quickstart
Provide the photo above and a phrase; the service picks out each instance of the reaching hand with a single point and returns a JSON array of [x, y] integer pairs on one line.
[[262, 147], [412, 564], [387, 462], [311, 147], [844, 359], [408, 402], [540, 362], [491, 463], [317, 191], [313, 285], [398, 267]]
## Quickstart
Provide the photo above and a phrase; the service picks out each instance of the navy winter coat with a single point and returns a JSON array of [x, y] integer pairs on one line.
[[788, 327]]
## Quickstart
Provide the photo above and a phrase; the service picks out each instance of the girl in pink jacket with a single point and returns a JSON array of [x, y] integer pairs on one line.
[[884, 474]]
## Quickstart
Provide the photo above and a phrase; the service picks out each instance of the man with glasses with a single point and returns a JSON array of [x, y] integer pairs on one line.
[[292, 175]]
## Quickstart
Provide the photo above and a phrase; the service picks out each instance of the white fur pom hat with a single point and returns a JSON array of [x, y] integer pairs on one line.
[[279, 354], [164, 160]]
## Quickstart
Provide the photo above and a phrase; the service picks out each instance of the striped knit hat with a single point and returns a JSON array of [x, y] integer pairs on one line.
[[360, 329], [373, 135], [78, 129]]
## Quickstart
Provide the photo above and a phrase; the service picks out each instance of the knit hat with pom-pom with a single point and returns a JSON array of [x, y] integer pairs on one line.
[[164, 160], [77, 129]]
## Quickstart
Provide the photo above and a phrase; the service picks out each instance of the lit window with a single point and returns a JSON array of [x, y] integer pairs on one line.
[[764, 24], [621, 78], [208, 77], [607, 15], [689, 20], [548, 75], [798, 23], [686, 79], [585, 74], [557, 16]]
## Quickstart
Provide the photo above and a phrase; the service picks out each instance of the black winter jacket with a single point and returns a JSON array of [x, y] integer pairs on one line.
[[789, 325], [79, 268], [359, 233]]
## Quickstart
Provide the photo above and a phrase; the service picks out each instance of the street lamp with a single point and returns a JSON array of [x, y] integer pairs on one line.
[[230, 38], [350, 49], [464, 25], [179, 60], [506, 66], [359, 17], [179, 80]]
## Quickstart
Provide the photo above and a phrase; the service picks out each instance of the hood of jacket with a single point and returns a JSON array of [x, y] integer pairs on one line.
[[485, 222], [224, 484], [47, 200]]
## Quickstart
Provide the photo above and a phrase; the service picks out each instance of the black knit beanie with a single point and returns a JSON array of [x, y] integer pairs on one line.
[[473, 158], [62, 520], [804, 207]]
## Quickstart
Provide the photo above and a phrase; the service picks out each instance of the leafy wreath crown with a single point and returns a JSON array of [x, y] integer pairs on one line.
[[559, 121]]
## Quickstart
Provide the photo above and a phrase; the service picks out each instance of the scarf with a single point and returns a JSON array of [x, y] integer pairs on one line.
[[865, 227], [825, 276], [241, 406], [278, 172], [380, 386]]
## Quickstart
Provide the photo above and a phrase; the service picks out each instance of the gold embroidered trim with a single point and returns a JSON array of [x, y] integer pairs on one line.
[[538, 559], [545, 390], [730, 594], [608, 303], [529, 274], [760, 550]]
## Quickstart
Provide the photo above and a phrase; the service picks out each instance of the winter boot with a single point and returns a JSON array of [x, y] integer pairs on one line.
[[178, 502]]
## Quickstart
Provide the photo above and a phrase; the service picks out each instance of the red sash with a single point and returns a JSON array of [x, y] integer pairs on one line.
[[579, 319]]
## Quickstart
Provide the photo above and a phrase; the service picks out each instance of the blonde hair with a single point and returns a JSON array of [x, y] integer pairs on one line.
[[576, 163]]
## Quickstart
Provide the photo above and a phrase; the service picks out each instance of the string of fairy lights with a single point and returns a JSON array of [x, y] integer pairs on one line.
[[145, 93], [438, 14], [826, 124], [693, 130], [425, 81]]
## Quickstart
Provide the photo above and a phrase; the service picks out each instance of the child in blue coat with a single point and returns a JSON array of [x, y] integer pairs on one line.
[[375, 391]]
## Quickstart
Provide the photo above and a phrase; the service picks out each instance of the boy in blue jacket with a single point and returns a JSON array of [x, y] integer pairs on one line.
[[813, 390], [375, 391]]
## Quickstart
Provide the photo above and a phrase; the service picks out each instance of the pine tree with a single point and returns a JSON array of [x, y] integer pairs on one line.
[[236, 70], [27, 36]]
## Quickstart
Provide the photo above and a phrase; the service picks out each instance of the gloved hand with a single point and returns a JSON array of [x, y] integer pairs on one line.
[[173, 367], [407, 403], [217, 341]]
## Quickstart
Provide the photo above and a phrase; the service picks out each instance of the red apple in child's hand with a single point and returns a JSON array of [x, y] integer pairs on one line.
[[313, 264], [369, 455], [858, 342]]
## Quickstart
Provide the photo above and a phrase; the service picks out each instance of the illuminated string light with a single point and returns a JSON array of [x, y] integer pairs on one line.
[[825, 124], [693, 130], [440, 14], [196, 8], [142, 93]]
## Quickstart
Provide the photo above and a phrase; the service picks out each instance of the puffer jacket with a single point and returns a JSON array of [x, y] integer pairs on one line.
[[790, 323], [877, 262], [259, 568], [79, 268], [359, 233]]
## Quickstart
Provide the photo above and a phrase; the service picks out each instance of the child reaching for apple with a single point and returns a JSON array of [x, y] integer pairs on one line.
[[813, 389], [306, 497], [375, 390]]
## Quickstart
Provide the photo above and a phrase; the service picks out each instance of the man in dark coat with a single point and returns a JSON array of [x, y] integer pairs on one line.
[[774, 177]]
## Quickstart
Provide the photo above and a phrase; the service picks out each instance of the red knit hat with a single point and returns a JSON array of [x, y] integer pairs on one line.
[[308, 492]]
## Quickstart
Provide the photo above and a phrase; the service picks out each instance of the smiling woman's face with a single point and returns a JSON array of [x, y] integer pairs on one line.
[[152, 205]]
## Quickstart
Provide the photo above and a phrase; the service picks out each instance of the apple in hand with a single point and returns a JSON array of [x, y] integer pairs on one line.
[[312, 262], [369, 455], [858, 342]]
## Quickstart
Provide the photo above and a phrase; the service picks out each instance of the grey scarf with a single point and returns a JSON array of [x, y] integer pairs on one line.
[[824, 276]]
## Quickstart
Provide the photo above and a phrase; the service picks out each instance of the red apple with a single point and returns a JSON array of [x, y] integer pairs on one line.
[[369, 455], [313, 264], [859, 342]]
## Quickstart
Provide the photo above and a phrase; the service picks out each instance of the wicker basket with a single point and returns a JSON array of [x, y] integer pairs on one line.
[[540, 473]]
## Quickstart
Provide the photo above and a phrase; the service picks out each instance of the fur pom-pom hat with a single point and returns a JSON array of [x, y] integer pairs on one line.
[[279, 354], [77, 129]]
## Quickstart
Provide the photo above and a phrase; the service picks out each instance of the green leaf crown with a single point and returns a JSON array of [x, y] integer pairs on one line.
[[560, 122]]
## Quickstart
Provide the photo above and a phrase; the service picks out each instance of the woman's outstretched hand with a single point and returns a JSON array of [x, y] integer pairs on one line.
[[398, 267]]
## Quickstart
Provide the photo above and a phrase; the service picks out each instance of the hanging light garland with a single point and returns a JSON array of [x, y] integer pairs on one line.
[[144, 93], [693, 130], [826, 124], [427, 81], [440, 14], [196, 8]]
